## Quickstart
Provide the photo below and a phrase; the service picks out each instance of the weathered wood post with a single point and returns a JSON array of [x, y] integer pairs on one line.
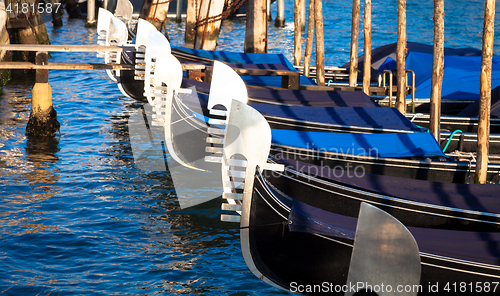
[[43, 118], [178, 11], [310, 36], [297, 32], [279, 21], [269, 14], [57, 13], [367, 66], [483, 130], [400, 58], [207, 30], [105, 4], [320, 42], [190, 23], [353, 69], [302, 15], [256, 26], [155, 12], [437, 69], [91, 22]]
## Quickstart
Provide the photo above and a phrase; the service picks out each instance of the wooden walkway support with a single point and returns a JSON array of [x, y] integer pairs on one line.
[[483, 130], [367, 50], [353, 69], [437, 69], [400, 58]]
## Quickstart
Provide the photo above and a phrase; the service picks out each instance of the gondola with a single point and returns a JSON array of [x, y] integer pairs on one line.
[[301, 239]]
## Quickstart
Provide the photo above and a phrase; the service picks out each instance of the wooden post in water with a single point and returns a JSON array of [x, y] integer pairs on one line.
[[353, 69], [279, 21], [302, 15], [190, 23], [437, 69], [483, 130], [367, 66], [320, 43], [178, 11], [269, 14], [297, 32], [256, 26], [400, 58], [310, 36], [91, 22], [155, 12], [43, 118], [207, 32]]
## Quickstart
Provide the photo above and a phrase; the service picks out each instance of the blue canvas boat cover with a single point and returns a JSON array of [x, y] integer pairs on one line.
[[461, 69], [249, 60], [395, 145]]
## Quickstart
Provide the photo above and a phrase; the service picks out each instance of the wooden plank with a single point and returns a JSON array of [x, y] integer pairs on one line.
[[64, 66], [437, 69], [483, 130], [64, 48], [88, 66]]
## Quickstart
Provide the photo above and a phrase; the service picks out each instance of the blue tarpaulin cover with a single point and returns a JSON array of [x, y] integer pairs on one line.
[[251, 59], [376, 145], [461, 69]]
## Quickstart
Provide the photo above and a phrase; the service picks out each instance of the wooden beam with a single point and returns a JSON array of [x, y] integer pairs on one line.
[[256, 26], [320, 42], [483, 130], [64, 48], [367, 50], [309, 41], [400, 58], [353, 69], [297, 32], [437, 69], [64, 66]]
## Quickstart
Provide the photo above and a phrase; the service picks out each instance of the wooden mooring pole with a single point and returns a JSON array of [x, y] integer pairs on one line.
[[367, 50], [178, 11], [400, 58], [310, 36], [91, 22], [320, 43], [437, 69], [297, 32], [43, 118], [279, 21], [483, 130], [353, 69], [190, 23], [256, 27]]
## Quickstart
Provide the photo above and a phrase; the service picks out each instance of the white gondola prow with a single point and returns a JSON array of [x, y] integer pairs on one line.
[[226, 85]]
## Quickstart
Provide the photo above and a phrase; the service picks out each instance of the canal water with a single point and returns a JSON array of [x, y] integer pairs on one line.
[[79, 217]]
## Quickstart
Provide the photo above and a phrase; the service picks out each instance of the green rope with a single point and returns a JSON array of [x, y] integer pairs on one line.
[[451, 137]]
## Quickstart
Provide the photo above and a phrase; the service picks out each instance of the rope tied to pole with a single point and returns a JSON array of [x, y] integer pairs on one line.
[[226, 13]]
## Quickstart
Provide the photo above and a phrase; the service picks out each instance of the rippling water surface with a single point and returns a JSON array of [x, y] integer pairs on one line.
[[77, 216]]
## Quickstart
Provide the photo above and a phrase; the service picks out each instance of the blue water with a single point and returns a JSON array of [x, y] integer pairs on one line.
[[78, 217]]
